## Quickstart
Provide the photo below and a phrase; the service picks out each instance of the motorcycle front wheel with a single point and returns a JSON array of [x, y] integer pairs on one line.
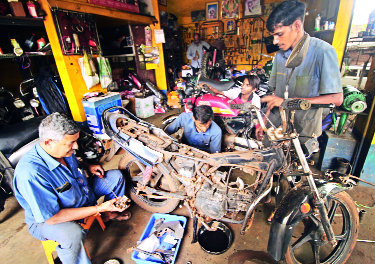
[[207, 66], [149, 202], [309, 243]]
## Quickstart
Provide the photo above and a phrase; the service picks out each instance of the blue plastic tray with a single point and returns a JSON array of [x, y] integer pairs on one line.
[[147, 231]]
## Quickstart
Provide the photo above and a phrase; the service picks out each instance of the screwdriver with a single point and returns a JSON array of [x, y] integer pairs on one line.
[[101, 177]]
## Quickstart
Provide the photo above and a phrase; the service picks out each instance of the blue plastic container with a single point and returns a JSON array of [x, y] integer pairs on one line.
[[95, 106], [147, 231]]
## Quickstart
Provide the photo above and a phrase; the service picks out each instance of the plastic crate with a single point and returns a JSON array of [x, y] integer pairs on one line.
[[147, 231]]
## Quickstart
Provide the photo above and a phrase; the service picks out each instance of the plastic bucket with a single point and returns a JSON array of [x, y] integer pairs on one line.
[[215, 242], [342, 165]]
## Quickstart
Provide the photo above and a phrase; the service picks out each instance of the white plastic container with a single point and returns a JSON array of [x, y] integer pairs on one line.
[[317, 22]]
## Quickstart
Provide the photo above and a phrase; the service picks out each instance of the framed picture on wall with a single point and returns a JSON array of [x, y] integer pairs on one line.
[[198, 15], [162, 2], [252, 8], [230, 8], [212, 11], [230, 27]]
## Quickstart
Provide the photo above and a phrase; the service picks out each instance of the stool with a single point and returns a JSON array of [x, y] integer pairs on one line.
[[50, 245], [87, 222]]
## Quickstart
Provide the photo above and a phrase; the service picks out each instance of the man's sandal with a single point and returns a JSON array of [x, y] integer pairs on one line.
[[122, 217]]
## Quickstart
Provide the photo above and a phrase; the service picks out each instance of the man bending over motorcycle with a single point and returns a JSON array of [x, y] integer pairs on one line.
[[200, 131], [250, 84], [52, 187], [317, 79]]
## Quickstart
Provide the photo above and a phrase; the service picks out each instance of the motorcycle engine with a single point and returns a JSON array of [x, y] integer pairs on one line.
[[215, 202]]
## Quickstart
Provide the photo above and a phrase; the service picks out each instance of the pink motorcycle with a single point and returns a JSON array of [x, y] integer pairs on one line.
[[236, 124]]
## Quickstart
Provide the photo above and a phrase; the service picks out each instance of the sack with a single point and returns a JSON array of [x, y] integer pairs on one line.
[[89, 80], [105, 72]]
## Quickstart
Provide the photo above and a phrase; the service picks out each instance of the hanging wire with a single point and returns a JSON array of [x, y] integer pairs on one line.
[[364, 206]]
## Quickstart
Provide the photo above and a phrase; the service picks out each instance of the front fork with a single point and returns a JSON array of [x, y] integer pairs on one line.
[[318, 200]]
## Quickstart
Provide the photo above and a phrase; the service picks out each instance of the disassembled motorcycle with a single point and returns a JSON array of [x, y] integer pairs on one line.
[[315, 213]]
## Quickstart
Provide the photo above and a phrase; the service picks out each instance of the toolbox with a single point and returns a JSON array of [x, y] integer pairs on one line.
[[147, 232]]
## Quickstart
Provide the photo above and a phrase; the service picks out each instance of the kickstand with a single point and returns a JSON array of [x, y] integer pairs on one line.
[[195, 224]]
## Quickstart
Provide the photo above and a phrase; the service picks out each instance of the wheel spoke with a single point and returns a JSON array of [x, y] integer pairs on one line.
[[316, 251], [302, 240], [332, 211], [140, 165]]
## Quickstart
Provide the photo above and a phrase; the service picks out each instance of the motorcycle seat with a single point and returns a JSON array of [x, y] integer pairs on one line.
[[218, 85], [14, 137]]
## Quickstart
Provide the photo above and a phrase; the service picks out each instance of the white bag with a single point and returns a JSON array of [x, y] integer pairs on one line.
[[89, 80], [105, 72]]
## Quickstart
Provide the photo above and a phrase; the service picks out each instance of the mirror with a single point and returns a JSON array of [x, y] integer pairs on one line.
[[299, 52]]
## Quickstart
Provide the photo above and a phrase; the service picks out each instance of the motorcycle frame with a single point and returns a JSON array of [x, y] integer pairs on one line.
[[277, 137]]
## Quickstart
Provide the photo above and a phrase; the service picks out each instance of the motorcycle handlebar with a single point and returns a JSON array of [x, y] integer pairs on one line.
[[331, 106], [300, 104], [296, 104], [207, 89]]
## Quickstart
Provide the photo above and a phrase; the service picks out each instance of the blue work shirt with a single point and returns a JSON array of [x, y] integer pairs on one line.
[[209, 141], [318, 74], [38, 183]]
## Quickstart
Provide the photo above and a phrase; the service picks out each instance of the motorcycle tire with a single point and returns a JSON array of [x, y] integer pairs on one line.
[[207, 69], [167, 121], [306, 238], [7, 172], [166, 183]]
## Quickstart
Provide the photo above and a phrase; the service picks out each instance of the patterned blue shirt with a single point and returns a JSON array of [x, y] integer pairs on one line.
[[209, 141], [39, 181]]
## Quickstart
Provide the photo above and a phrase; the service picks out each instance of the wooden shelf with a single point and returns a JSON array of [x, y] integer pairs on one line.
[[112, 13], [21, 21], [363, 39], [30, 54], [314, 33]]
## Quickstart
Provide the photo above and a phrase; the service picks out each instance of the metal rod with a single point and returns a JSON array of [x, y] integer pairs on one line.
[[108, 186]]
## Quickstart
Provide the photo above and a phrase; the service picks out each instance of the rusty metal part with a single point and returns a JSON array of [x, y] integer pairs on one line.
[[122, 202]]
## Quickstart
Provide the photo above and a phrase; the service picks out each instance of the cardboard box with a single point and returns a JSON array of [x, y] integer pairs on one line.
[[17, 9], [186, 73], [173, 100], [144, 107], [95, 106]]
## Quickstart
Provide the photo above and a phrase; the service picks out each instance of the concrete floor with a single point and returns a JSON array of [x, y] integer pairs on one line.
[[18, 246]]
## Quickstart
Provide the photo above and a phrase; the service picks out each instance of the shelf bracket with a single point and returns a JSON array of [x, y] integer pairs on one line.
[[154, 21]]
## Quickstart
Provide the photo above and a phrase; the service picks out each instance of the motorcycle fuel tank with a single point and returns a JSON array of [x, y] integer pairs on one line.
[[220, 104]]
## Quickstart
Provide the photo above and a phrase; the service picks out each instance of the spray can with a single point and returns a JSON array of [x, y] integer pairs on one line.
[[317, 22], [148, 36], [32, 9]]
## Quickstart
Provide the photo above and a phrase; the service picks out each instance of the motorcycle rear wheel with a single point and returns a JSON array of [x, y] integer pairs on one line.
[[166, 183], [307, 245], [207, 66]]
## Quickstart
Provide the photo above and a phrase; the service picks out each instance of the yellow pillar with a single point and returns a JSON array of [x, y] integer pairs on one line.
[[343, 22], [161, 79], [69, 70], [67, 65]]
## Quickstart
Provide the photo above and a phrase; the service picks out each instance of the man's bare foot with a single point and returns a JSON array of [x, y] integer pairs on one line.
[[269, 219]]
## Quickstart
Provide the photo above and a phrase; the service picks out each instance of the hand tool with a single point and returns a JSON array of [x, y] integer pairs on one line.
[[155, 254], [101, 177]]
